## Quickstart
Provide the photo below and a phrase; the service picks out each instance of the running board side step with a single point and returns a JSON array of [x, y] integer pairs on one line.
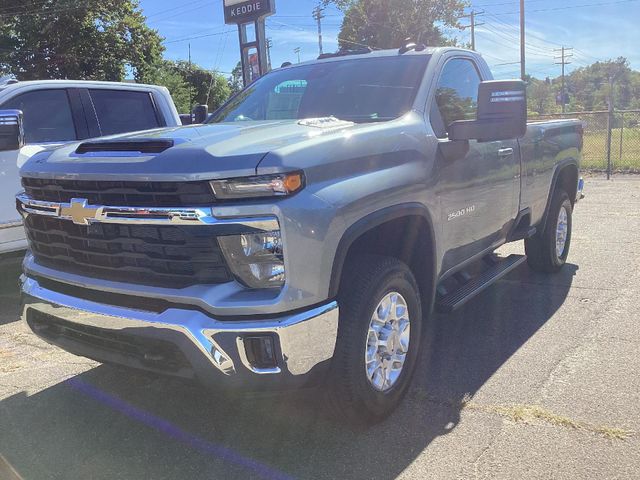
[[454, 300]]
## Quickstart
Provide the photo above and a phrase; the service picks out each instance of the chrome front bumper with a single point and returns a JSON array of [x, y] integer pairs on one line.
[[214, 348]]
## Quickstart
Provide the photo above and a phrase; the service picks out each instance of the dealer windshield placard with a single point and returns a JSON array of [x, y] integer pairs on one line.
[[243, 11]]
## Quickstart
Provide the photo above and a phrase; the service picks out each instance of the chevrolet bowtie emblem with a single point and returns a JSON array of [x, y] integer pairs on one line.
[[79, 212]]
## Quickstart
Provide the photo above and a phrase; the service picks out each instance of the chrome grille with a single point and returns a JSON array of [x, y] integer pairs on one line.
[[160, 255]]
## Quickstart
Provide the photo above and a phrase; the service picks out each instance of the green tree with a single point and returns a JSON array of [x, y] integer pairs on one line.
[[92, 39], [205, 87], [590, 86], [235, 80], [388, 23], [164, 74], [541, 96]]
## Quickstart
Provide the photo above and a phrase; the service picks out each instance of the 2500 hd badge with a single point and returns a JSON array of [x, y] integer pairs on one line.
[[461, 213]]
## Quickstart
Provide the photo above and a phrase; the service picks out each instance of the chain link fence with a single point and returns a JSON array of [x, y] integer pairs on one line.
[[624, 148]]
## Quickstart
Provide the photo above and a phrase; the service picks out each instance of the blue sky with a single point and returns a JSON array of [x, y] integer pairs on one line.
[[596, 29]]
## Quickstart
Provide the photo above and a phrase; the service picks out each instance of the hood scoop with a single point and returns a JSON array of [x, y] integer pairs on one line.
[[151, 146]]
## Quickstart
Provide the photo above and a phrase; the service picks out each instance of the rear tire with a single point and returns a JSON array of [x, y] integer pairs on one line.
[[377, 344], [547, 250]]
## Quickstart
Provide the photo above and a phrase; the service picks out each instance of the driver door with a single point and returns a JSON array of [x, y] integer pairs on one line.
[[478, 190]]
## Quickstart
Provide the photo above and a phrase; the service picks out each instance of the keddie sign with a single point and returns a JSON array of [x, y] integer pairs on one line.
[[242, 11]]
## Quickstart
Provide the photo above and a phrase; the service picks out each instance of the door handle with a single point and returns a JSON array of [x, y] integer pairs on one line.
[[505, 152]]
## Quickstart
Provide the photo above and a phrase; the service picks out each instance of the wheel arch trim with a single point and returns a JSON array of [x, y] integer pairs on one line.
[[372, 221], [559, 168]]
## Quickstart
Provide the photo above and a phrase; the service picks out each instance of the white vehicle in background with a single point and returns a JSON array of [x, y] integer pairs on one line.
[[56, 112]]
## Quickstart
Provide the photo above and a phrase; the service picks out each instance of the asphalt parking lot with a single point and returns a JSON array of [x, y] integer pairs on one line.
[[537, 378]]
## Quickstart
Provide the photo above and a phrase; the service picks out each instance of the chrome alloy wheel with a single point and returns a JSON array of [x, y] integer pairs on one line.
[[387, 342], [562, 229]]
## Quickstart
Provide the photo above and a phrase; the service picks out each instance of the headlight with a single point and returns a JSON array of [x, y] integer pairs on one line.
[[255, 258], [280, 184]]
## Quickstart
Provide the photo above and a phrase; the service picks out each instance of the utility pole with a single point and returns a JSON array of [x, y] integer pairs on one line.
[[297, 51], [318, 15], [269, 47], [523, 70], [472, 25], [563, 61]]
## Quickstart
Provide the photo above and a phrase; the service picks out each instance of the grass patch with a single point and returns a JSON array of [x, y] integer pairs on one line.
[[531, 413], [594, 153]]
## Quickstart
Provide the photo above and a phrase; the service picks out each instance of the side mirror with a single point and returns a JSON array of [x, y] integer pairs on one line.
[[11, 130], [502, 113], [186, 119], [200, 114]]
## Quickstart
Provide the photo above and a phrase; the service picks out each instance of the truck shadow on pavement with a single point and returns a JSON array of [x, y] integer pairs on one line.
[[10, 270], [112, 423]]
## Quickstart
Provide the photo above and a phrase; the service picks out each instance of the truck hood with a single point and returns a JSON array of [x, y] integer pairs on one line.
[[198, 152]]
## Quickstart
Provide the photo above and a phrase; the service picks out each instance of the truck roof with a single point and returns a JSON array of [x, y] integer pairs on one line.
[[83, 83], [365, 53]]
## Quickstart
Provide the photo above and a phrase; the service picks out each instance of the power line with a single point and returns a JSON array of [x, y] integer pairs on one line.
[[513, 2], [45, 12], [162, 12], [531, 45], [341, 39], [472, 25], [171, 13], [554, 9], [540, 50], [79, 6], [199, 36], [517, 30]]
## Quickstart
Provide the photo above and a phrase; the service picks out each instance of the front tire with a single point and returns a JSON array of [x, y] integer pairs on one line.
[[378, 339], [547, 251]]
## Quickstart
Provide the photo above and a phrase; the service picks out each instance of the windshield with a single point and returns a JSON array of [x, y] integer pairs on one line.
[[363, 90]]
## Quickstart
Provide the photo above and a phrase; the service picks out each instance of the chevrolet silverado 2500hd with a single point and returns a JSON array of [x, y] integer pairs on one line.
[[307, 233], [56, 112]]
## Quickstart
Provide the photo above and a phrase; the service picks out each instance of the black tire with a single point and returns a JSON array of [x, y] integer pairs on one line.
[[368, 279], [541, 248]]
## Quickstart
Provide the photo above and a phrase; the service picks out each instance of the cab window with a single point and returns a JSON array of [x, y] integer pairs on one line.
[[47, 115], [457, 91], [121, 111]]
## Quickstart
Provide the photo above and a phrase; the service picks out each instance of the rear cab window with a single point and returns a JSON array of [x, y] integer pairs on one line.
[[121, 111], [47, 115]]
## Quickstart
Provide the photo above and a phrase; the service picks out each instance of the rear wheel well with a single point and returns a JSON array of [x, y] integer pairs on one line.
[[568, 181], [409, 239]]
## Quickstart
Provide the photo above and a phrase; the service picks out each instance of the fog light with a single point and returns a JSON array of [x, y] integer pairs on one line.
[[261, 351]]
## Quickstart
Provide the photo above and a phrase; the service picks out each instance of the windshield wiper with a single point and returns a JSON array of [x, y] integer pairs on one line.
[[364, 118]]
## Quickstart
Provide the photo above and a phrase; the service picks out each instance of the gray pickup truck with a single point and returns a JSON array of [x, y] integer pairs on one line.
[[306, 235]]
